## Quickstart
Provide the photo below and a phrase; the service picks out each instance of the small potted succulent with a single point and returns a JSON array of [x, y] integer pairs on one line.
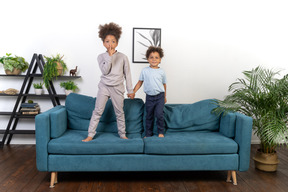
[[54, 66], [69, 87], [13, 65], [38, 87]]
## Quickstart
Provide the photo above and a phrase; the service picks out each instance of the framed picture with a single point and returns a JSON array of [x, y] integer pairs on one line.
[[142, 39]]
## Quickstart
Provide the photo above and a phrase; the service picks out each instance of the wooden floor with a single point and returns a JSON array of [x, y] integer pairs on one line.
[[18, 173]]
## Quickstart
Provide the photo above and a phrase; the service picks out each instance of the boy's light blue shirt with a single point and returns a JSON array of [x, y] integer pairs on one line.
[[153, 80]]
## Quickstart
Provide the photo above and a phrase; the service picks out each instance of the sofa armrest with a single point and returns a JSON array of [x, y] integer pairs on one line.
[[43, 136], [243, 132], [58, 122]]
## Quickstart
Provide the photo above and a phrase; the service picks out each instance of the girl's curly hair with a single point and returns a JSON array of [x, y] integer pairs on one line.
[[110, 29], [153, 49]]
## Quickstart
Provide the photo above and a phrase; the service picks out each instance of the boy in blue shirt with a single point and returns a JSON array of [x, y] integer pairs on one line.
[[154, 80]]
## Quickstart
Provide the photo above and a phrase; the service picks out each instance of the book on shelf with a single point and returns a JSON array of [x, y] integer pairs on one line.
[[29, 105], [30, 112], [30, 108]]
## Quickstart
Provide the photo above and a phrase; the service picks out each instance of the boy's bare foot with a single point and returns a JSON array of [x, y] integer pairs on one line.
[[124, 137], [87, 139], [160, 135]]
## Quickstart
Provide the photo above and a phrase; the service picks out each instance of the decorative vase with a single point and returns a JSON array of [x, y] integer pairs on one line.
[[14, 72], [266, 161], [67, 92], [38, 91], [59, 68]]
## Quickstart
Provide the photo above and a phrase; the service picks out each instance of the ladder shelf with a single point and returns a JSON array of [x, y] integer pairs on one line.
[[37, 62]]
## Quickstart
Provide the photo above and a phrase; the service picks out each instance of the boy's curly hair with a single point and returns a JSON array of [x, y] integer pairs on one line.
[[153, 49], [110, 29]]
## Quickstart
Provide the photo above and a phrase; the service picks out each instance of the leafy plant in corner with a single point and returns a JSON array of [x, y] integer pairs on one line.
[[264, 98], [69, 85], [17, 62], [50, 68]]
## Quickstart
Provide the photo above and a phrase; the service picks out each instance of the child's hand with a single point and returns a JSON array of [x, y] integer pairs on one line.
[[111, 51], [131, 95]]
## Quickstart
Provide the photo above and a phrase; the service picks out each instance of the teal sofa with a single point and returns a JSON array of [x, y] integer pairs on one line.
[[195, 139]]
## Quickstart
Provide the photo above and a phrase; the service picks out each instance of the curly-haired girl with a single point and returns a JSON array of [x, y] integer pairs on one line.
[[115, 68]]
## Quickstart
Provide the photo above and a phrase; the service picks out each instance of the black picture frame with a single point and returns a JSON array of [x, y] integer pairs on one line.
[[142, 39]]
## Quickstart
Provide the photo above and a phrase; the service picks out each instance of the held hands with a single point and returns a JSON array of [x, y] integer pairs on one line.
[[131, 95], [137, 86]]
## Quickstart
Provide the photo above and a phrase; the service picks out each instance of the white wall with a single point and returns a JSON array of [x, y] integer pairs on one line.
[[207, 43]]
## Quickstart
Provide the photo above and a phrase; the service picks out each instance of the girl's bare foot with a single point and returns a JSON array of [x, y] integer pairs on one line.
[[160, 135], [124, 137], [87, 139]]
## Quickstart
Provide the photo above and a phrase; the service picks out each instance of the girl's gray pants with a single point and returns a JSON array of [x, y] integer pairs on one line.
[[116, 93]]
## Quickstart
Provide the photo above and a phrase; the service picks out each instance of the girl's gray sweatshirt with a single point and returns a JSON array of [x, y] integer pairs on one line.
[[115, 69]]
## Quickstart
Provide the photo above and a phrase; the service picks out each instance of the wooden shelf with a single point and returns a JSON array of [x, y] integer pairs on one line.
[[19, 131], [18, 114], [39, 75], [5, 113], [61, 96], [4, 75]]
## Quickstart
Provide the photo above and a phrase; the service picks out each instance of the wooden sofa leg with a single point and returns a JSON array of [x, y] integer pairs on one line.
[[234, 177], [229, 177], [56, 178], [53, 177]]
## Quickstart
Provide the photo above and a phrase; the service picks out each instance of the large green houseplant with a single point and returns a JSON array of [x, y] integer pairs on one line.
[[13, 65], [53, 67], [263, 97]]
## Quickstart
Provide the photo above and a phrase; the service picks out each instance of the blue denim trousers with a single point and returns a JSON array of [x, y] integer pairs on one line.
[[154, 108]]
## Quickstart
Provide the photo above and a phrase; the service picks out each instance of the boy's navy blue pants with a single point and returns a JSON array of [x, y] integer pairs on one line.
[[154, 108]]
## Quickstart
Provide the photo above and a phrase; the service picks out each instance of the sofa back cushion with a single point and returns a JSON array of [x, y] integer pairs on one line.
[[80, 107], [191, 117]]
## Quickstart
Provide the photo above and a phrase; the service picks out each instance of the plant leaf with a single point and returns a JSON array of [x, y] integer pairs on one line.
[[145, 38]]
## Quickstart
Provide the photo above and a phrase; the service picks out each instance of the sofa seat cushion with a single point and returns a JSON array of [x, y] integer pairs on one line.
[[190, 143], [103, 143]]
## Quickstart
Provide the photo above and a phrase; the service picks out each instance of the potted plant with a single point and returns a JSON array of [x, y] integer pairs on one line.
[[38, 87], [69, 87], [13, 65], [263, 97], [53, 67]]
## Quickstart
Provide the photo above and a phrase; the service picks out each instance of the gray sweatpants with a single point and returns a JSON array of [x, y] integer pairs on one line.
[[116, 93]]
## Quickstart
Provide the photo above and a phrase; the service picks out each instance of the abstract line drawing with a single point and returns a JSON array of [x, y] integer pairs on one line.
[[142, 39]]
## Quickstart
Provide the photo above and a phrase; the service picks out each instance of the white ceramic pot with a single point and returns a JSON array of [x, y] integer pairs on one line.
[[38, 91], [67, 92]]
